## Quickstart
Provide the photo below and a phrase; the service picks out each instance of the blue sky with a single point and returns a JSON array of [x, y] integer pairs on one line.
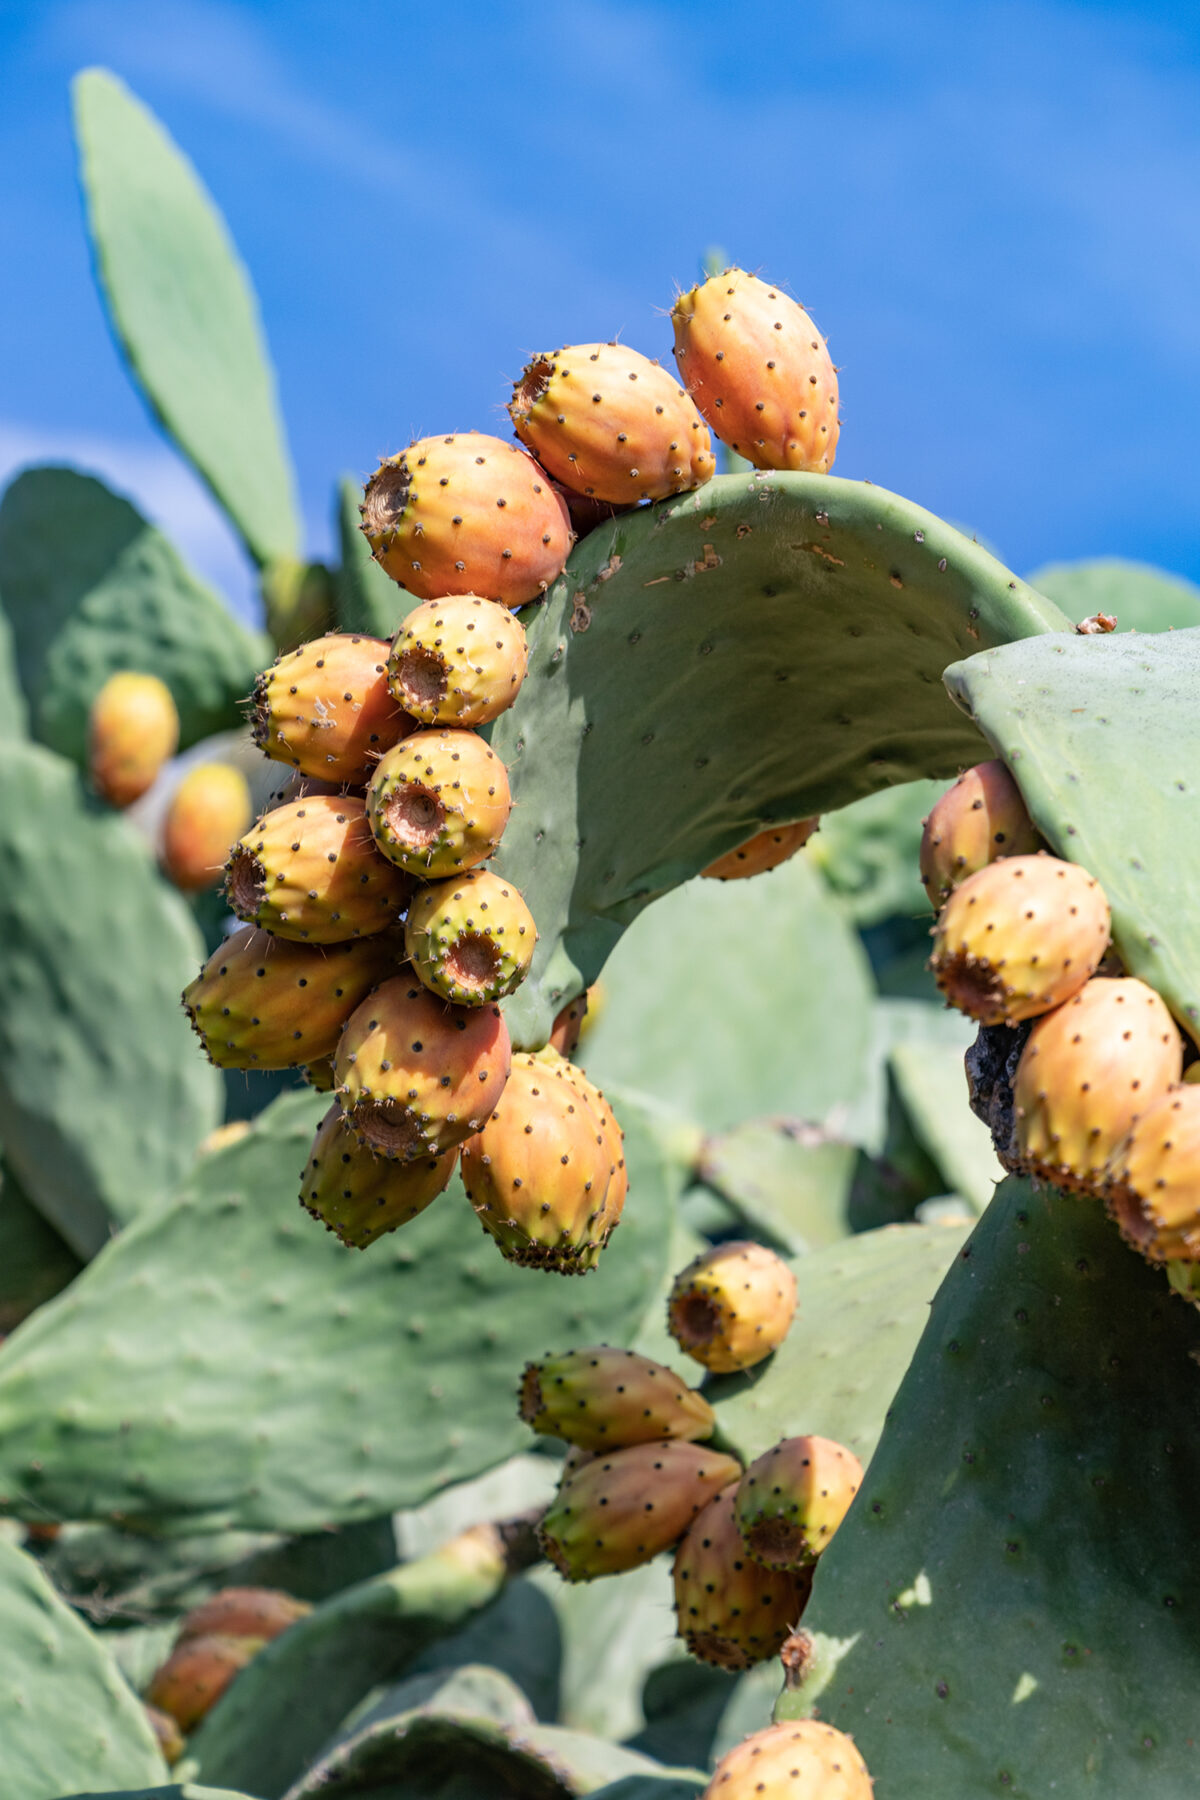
[[992, 210]]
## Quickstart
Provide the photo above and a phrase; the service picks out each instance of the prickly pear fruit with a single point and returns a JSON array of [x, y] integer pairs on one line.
[[567, 1028], [610, 423], [458, 661], [320, 1075], [196, 1674], [731, 1611], [543, 1174], [248, 1612], [361, 1196], [416, 1076], [467, 514], [792, 1499], [976, 822], [133, 729], [618, 1186], [732, 1306], [263, 1003], [1018, 937], [470, 940], [209, 809], [605, 1398], [327, 709], [766, 850], [1088, 1071], [311, 871], [1153, 1179], [757, 368], [167, 1734], [798, 1760], [623, 1508], [439, 803]]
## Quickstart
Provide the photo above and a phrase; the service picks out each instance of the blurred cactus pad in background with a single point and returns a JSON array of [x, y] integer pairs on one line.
[[712, 1325]]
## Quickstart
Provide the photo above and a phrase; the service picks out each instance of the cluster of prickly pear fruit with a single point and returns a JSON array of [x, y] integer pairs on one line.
[[1100, 1099], [214, 1642]]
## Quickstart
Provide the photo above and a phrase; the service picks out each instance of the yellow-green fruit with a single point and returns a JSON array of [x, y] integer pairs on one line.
[[766, 850], [133, 729], [757, 368], [623, 1508], [730, 1610], [261, 1002], [604, 1398], [467, 514], [439, 802], [1019, 937], [799, 1760], [732, 1306], [312, 871], [326, 708], [1153, 1179], [167, 1734], [470, 940], [611, 424], [976, 822], [359, 1195], [209, 809], [1087, 1073], [458, 661], [415, 1075], [792, 1499]]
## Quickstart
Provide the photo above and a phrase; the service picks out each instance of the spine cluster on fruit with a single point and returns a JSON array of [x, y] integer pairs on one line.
[[1102, 1103]]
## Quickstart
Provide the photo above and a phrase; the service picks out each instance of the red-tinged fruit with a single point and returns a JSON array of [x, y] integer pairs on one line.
[[209, 809], [766, 850], [732, 1306], [261, 1002], [611, 424], [1087, 1073], [196, 1674], [472, 939], [248, 1612], [800, 1759], [459, 660], [568, 1026], [1019, 937], [467, 514], [759, 371], [416, 1076], [604, 1398], [311, 871], [1153, 1179], [622, 1509], [438, 804], [792, 1499], [976, 822], [361, 1196], [545, 1175], [327, 709], [133, 730], [730, 1610]]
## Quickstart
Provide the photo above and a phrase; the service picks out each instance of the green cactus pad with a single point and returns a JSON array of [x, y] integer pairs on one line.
[[35, 1263], [1011, 1605], [861, 1307], [66, 1716], [748, 966], [89, 587], [868, 852], [789, 1184], [183, 310], [103, 1098], [186, 1790], [1140, 597], [1101, 735], [768, 647], [186, 1376]]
